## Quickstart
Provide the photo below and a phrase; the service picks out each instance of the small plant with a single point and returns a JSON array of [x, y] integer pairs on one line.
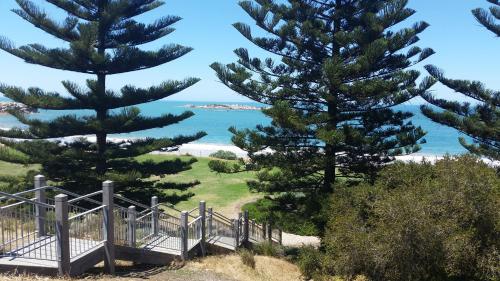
[[247, 258], [309, 261], [269, 249], [225, 155]]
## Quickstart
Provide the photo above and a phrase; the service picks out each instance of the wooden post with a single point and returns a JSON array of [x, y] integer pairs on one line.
[[202, 209], [131, 236], [245, 227], [269, 232], [236, 233], [240, 227], [62, 235], [264, 229], [280, 236], [108, 228], [154, 215], [210, 222], [40, 211], [184, 235]]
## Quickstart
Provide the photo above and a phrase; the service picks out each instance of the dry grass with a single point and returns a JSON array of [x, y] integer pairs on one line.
[[266, 268], [214, 268]]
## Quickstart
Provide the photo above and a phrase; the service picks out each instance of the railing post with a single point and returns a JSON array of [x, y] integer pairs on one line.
[[210, 222], [132, 216], [184, 235], [154, 215], [40, 211], [108, 227], [280, 236], [62, 235], [269, 232], [202, 209], [236, 233], [245, 227], [264, 230], [240, 227]]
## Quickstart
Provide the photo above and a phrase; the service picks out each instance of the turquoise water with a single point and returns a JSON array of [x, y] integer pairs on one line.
[[440, 139]]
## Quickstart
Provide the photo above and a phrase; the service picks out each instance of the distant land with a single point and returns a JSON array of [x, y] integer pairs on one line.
[[6, 106], [224, 107]]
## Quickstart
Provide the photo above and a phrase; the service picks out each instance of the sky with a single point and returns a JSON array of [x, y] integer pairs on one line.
[[464, 49]]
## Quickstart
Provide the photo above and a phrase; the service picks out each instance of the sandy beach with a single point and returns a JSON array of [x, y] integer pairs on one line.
[[204, 150]]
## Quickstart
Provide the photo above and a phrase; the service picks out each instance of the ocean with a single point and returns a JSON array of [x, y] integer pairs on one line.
[[440, 140]]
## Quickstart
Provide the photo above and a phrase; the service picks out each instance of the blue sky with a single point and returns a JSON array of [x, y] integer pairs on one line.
[[463, 48]]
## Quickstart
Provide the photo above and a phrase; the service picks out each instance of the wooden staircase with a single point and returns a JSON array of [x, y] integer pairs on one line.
[[57, 236]]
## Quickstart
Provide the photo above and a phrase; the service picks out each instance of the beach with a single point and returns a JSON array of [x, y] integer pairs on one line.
[[205, 149]]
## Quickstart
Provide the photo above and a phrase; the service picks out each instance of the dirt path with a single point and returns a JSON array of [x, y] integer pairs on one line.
[[289, 239]]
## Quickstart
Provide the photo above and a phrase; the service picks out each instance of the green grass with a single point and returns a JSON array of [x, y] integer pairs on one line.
[[8, 169], [224, 192]]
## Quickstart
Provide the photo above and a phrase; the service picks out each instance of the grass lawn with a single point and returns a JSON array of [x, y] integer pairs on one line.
[[8, 169], [225, 192]]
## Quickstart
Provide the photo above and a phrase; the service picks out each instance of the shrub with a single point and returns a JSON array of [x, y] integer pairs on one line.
[[418, 222], [267, 248], [309, 262], [297, 215], [225, 155], [247, 258]]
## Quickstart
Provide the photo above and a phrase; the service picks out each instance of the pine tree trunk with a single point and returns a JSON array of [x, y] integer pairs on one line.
[[101, 91], [329, 169], [330, 152]]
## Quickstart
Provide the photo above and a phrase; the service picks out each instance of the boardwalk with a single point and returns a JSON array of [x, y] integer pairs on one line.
[[70, 233]]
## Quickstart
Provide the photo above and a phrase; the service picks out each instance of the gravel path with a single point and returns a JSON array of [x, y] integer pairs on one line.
[[293, 240]]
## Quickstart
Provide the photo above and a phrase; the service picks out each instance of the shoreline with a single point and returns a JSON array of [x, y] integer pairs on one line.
[[205, 149]]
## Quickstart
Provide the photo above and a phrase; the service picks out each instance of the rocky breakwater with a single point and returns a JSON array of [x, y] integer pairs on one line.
[[224, 107], [6, 106]]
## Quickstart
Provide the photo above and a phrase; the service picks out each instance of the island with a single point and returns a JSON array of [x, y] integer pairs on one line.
[[224, 107], [6, 106]]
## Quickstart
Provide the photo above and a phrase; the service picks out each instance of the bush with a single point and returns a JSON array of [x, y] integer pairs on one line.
[[297, 215], [309, 262], [418, 222], [267, 248], [247, 258], [225, 155]]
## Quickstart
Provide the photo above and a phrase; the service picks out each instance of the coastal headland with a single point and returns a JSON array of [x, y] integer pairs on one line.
[[6, 106]]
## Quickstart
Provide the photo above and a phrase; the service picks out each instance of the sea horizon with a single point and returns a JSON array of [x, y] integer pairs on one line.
[[440, 140]]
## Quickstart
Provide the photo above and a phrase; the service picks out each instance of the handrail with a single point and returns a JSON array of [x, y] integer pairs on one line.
[[85, 196], [140, 218], [192, 210], [135, 203], [87, 212], [222, 217], [26, 200], [195, 220], [74, 194], [14, 204], [25, 191]]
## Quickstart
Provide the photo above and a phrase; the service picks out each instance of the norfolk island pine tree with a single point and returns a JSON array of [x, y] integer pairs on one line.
[[340, 69], [480, 121], [103, 39]]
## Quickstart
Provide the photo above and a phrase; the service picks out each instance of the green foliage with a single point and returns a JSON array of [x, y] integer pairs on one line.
[[419, 222], [225, 155], [480, 121], [104, 38], [269, 249], [298, 215], [309, 261], [225, 167], [247, 258]]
